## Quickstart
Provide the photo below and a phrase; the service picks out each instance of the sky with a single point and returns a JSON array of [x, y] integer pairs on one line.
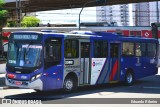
[[72, 15], [67, 15]]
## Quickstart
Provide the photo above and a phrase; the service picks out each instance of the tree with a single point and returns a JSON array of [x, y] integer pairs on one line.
[[1, 3], [2, 13], [11, 24], [30, 21]]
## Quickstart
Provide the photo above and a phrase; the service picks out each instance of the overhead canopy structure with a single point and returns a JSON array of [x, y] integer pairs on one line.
[[43, 5]]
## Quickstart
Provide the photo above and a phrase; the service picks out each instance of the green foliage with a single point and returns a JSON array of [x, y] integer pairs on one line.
[[1, 3], [30, 21], [2, 12], [11, 24]]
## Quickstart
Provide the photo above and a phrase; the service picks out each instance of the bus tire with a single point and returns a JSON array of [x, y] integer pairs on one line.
[[69, 84], [129, 78]]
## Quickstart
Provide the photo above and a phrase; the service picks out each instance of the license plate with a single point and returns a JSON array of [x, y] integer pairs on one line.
[[18, 82]]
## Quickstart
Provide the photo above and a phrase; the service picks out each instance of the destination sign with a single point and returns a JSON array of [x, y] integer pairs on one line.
[[25, 37]]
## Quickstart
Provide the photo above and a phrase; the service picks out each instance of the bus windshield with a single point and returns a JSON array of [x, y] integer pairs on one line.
[[24, 55]]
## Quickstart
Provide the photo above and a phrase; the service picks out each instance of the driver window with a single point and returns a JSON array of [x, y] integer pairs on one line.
[[52, 52]]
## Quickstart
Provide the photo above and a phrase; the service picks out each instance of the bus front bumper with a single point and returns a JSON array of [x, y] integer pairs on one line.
[[37, 84]]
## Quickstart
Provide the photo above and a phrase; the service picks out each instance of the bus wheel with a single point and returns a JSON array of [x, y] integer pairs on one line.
[[129, 78], [68, 85]]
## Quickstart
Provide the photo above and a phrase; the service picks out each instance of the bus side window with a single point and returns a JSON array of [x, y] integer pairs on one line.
[[140, 49], [100, 49], [128, 49], [151, 49], [52, 52], [71, 48]]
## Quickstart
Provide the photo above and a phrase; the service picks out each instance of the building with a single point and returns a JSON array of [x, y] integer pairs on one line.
[[115, 13], [147, 13], [137, 14]]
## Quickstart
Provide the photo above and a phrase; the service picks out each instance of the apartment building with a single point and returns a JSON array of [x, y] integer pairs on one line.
[[137, 14], [114, 13], [147, 13]]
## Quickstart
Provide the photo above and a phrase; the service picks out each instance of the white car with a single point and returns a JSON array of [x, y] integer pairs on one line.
[[2, 68], [2, 65]]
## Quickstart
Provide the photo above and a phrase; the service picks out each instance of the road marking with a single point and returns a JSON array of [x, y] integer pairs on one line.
[[152, 87]]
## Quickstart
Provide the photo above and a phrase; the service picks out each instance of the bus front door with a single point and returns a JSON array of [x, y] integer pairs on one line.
[[53, 63], [114, 61], [85, 62]]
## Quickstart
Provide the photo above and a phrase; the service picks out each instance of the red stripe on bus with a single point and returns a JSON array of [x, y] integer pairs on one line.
[[114, 70]]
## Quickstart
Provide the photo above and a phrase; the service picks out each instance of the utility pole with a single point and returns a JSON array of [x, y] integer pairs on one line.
[[18, 12]]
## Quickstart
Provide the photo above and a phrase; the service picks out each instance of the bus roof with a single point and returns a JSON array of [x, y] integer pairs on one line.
[[94, 35], [112, 36]]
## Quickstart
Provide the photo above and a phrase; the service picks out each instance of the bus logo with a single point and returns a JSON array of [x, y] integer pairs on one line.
[[23, 77], [96, 64], [93, 64]]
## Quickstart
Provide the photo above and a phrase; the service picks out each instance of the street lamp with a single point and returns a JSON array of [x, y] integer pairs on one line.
[[93, 1], [81, 12]]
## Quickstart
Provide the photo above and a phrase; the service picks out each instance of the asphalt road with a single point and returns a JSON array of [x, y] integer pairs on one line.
[[148, 87]]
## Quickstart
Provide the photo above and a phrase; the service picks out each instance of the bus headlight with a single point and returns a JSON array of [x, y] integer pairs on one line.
[[33, 78], [36, 77]]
